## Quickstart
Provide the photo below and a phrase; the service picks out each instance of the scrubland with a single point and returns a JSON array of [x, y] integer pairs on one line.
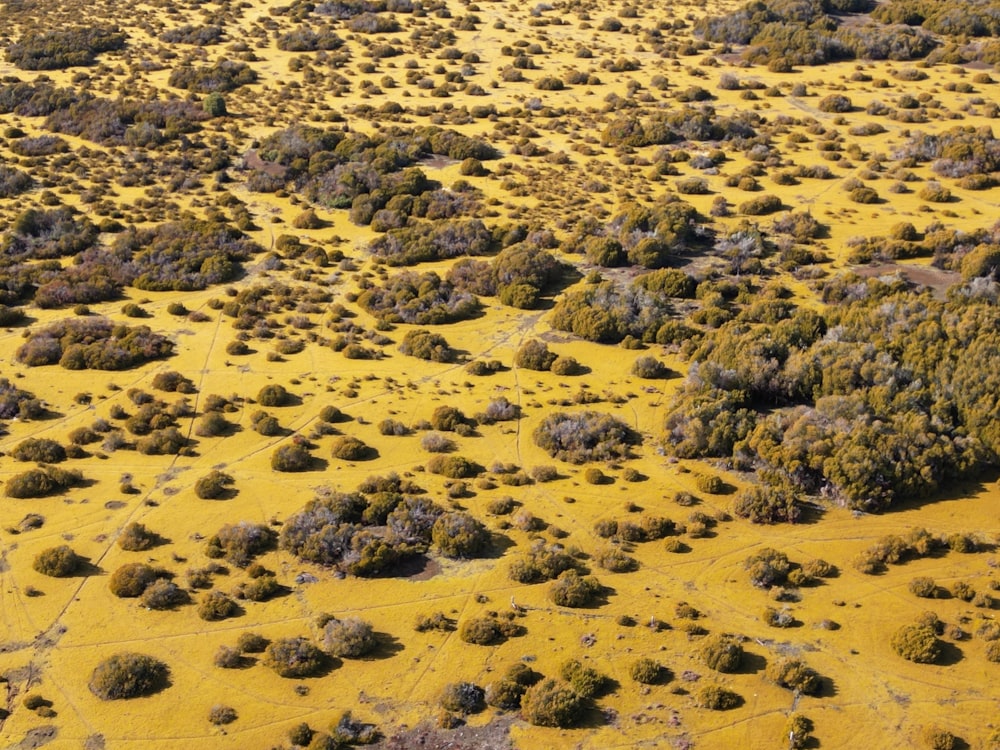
[[479, 375]]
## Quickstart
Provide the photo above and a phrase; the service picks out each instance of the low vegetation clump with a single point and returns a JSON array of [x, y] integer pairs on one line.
[[723, 653], [573, 590], [646, 671], [94, 344], [584, 436], [294, 657], [66, 47], [717, 698], [213, 485], [132, 579], [241, 542], [487, 630], [350, 638], [424, 344], [58, 562], [459, 535], [551, 703], [917, 642], [215, 605], [794, 675], [463, 698], [128, 675], [39, 450]]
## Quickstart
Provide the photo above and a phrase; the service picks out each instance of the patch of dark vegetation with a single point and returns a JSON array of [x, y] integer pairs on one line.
[[93, 344], [55, 49], [585, 436]]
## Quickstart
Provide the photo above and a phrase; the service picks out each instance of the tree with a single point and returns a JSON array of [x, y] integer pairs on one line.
[[215, 105], [128, 675]]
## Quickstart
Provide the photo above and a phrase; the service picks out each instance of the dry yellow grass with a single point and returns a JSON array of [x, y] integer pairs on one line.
[[50, 642]]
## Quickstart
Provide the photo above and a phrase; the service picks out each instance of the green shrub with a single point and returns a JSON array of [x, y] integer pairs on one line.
[[650, 368], [128, 675], [349, 638], [760, 206], [273, 394], [135, 537], [485, 631], [458, 534], [717, 698], [550, 703], [565, 366], [39, 450], [646, 671], [41, 482], [131, 579], [58, 562], [294, 657], [163, 594], [423, 344], [463, 698], [584, 436], [213, 485], [291, 457], [64, 47], [586, 682], [795, 675], [350, 448], [917, 642], [215, 605], [534, 355], [239, 543], [723, 653], [573, 590]]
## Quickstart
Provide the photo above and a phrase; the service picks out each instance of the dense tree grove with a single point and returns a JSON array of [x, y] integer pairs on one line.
[[54, 49], [887, 395]]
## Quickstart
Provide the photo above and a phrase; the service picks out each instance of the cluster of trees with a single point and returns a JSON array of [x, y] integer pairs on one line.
[[680, 124], [957, 152], [305, 38], [57, 48], [788, 33], [422, 298], [201, 36], [222, 77], [368, 532], [374, 175], [967, 18], [584, 436], [519, 274], [94, 344], [606, 313], [424, 241], [881, 397]]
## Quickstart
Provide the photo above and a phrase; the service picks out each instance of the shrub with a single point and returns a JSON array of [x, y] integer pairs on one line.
[[131, 579], [128, 675], [212, 424], [565, 365], [463, 698], [917, 642], [534, 355], [615, 560], [92, 343], [767, 568], [435, 621], [459, 535], [923, 586], [835, 103], [586, 682], [936, 738], [550, 703], [294, 657], [215, 605], [64, 47], [239, 543], [794, 675], [717, 698], [350, 448], [220, 715], [251, 643], [349, 638], [646, 671], [41, 482], [482, 631], [723, 653], [650, 368], [291, 457], [135, 537], [58, 562], [453, 467], [584, 436], [423, 344], [573, 590], [163, 594], [760, 206], [213, 485], [39, 450], [273, 394]]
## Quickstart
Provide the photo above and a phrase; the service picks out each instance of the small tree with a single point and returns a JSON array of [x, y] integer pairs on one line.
[[551, 704], [917, 642], [350, 638], [58, 562], [293, 657], [215, 105], [128, 675], [723, 653], [459, 535]]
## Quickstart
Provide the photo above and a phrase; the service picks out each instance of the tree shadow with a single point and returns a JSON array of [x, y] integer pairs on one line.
[[949, 655], [752, 663], [827, 688], [496, 547], [386, 646]]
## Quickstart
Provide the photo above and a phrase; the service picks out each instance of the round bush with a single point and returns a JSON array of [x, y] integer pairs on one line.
[[273, 394], [163, 594], [716, 698], [573, 590], [551, 704], [349, 638], [587, 682], [646, 671], [215, 605], [917, 642], [131, 579], [213, 485], [349, 448], [135, 537], [293, 657], [58, 562], [463, 698], [128, 675], [459, 535], [722, 653]]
